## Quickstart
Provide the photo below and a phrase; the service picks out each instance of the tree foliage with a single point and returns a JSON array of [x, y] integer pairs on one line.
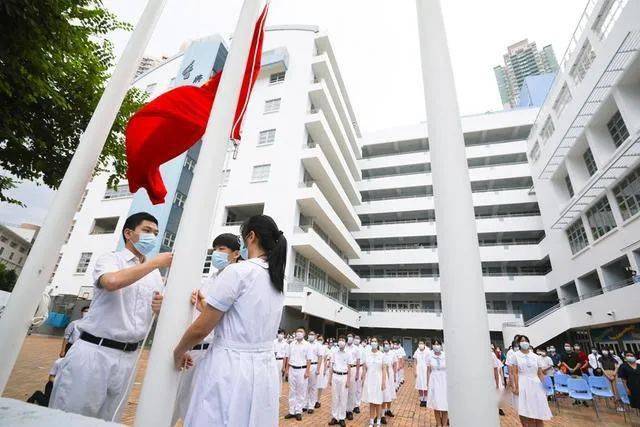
[[8, 278], [55, 60]]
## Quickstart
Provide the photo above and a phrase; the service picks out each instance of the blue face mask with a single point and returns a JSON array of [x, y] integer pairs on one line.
[[244, 252], [145, 243], [220, 260]]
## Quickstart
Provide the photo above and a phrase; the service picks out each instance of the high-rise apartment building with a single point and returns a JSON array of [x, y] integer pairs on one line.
[[522, 59]]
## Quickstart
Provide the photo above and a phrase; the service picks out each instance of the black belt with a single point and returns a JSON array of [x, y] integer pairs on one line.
[[353, 366], [339, 373], [297, 367], [314, 363], [106, 342], [279, 358], [202, 346]]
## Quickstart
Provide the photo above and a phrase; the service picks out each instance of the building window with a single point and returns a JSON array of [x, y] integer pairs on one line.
[[267, 137], [627, 194], [118, 192], [600, 218], [567, 182], [590, 162], [169, 239], [534, 154], [300, 268], [225, 176], [547, 129], [73, 224], [20, 260], [1, 249], [189, 163], [272, 105], [618, 129], [104, 225], [577, 236], [83, 264], [207, 262], [564, 97], [276, 78], [11, 255], [260, 173], [583, 62], [179, 199]]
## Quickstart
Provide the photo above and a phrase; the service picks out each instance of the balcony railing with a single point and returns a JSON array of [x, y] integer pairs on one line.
[[325, 237], [338, 295], [397, 221]]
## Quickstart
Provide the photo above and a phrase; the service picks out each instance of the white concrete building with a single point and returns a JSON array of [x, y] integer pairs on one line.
[[15, 243], [584, 152]]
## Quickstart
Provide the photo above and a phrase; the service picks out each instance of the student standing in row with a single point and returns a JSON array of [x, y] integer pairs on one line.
[[72, 333], [299, 369], [354, 377], [226, 251], [437, 384], [629, 373], [533, 407], [374, 382], [94, 377], [360, 352], [339, 378], [322, 370], [237, 382], [421, 355], [389, 393], [609, 369], [316, 366], [281, 351]]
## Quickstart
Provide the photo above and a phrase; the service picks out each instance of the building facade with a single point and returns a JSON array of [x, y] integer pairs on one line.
[[522, 59], [15, 243], [584, 152]]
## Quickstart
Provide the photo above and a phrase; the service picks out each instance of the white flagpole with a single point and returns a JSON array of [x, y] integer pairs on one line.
[[158, 395], [41, 261], [470, 388]]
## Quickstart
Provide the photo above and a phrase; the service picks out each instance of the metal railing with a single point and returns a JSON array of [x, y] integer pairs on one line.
[[399, 221], [396, 197], [623, 283]]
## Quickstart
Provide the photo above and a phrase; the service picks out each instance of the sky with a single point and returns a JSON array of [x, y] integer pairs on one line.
[[376, 44]]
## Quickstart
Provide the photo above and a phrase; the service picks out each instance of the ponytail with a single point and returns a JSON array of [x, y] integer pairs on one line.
[[274, 244]]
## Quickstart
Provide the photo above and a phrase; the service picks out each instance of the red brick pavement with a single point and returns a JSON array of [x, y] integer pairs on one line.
[[39, 352]]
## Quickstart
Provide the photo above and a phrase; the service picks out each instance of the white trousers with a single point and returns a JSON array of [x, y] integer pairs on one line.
[[339, 397], [312, 387], [351, 392], [93, 380], [297, 390], [186, 385], [359, 389], [280, 364]]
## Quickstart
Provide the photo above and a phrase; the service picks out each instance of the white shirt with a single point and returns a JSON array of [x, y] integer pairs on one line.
[[252, 306], [315, 352], [125, 314], [511, 357], [205, 284], [546, 364], [354, 354], [340, 361], [56, 366], [281, 348], [71, 332], [300, 352], [594, 360], [401, 352]]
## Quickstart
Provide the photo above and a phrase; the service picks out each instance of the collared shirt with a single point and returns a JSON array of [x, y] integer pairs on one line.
[[511, 357], [71, 332], [354, 354], [594, 360], [281, 348], [56, 367], [125, 314], [340, 360], [315, 352], [300, 352]]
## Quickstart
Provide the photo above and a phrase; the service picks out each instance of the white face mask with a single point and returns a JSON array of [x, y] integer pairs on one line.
[[630, 359], [421, 346], [605, 352], [341, 344], [356, 341], [594, 351], [524, 345], [299, 336], [280, 337], [437, 348], [312, 338], [350, 340], [374, 345]]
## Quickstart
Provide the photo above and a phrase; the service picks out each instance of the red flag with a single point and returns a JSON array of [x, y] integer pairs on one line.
[[170, 124]]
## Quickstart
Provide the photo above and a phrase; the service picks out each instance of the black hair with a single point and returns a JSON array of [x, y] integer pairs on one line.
[[436, 342], [85, 308], [273, 242], [136, 219], [227, 240], [525, 337], [341, 337], [281, 331]]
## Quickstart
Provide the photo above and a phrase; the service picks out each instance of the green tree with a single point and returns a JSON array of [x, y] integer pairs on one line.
[[54, 62], [8, 278]]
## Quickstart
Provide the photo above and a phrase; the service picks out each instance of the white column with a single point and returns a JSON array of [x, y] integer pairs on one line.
[[44, 253], [471, 389], [161, 379]]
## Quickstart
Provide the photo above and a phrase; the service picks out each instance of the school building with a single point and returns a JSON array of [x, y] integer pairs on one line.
[[558, 242]]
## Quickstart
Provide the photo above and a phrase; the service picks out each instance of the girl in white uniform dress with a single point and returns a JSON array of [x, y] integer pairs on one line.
[[389, 392], [437, 384], [237, 383], [374, 381], [421, 355], [533, 407]]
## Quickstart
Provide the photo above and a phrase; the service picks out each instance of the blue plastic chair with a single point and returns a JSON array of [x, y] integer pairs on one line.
[[561, 382], [624, 397], [579, 390], [547, 383], [600, 386]]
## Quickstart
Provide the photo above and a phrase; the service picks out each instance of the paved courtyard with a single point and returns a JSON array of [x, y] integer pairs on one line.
[[39, 352]]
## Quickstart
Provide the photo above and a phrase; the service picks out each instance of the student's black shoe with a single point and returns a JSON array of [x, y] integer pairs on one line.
[[575, 402], [356, 410], [349, 416], [317, 405], [310, 411], [584, 402], [501, 412], [423, 404], [289, 416], [390, 414], [342, 423], [299, 417], [383, 420], [333, 422], [304, 409]]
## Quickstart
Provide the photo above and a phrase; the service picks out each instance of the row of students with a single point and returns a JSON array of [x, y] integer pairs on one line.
[[236, 379]]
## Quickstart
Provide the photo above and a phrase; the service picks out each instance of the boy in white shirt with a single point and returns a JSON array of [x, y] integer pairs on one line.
[[299, 368], [339, 380]]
